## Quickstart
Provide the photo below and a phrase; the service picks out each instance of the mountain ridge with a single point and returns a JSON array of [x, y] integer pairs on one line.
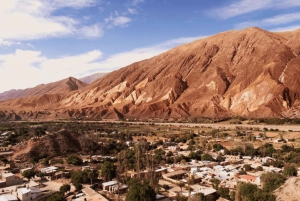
[[251, 73], [61, 86]]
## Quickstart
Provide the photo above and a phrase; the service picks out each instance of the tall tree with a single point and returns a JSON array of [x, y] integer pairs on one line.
[[140, 191], [108, 170]]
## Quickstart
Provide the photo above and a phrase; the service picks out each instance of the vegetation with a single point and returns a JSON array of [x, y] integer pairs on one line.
[[108, 170], [28, 174], [140, 191], [289, 170], [57, 197], [272, 181], [65, 188], [74, 160]]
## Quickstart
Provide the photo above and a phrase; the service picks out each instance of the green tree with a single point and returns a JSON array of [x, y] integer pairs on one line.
[[92, 175], [108, 170], [247, 167], [65, 188], [140, 191], [206, 157], [271, 181], [224, 192], [215, 183], [289, 170], [57, 197], [28, 174], [73, 159], [78, 186]]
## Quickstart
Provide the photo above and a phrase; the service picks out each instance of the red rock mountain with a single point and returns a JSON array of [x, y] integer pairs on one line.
[[251, 73], [62, 86]]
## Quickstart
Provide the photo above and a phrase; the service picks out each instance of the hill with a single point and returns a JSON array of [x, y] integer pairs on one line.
[[251, 73], [63, 86]]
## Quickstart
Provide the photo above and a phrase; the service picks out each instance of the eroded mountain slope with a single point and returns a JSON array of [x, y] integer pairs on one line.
[[252, 73]]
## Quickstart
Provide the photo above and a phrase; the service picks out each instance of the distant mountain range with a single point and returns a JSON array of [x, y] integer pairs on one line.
[[251, 73], [63, 86], [91, 78]]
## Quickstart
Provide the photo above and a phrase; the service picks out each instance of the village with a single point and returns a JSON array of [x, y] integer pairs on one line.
[[203, 164]]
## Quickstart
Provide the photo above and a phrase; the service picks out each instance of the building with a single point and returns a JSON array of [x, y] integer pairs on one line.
[[27, 194], [8, 197], [113, 186], [9, 179]]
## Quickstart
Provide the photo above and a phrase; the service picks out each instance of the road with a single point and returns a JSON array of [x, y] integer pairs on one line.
[[213, 125]]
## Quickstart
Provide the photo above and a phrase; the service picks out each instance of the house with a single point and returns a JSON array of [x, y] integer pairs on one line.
[[174, 176], [9, 179], [113, 186], [250, 179], [27, 194], [8, 197]]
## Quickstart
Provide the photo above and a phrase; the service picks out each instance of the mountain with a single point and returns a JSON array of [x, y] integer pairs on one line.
[[62, 86], [91, 78], [251, 73]]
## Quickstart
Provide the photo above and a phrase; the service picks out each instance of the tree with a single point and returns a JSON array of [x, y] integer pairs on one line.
[[140, 191], [247, 167], [28, 174], [289, 170], [206, 157], [92, 175], [5, 161], [64, 188], [215, 183], [181, 184], [197, 197], [224, 192], [57, 197], [271, 181], [108, 170], [78, 186], [73, 159]]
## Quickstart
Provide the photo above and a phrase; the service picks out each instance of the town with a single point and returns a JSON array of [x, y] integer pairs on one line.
[[146, 161]]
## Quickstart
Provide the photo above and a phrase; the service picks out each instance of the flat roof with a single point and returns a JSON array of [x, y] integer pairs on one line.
[[109, 183], [24, 190], [171, 174], [7, 174], [49, 169], [8, 197]]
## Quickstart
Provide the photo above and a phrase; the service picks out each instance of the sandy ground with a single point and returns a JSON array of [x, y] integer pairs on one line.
[[289, 191]]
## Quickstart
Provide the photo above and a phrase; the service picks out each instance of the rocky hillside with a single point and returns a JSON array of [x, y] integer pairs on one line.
[[251, 73], [63, 86], [55, 144]]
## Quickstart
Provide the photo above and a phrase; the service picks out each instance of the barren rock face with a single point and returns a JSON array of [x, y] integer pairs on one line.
[[251, 73]]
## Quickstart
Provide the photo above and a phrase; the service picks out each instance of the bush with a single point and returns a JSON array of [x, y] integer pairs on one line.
[[289, 170], [247, 167], [74, 160], [272, 181]]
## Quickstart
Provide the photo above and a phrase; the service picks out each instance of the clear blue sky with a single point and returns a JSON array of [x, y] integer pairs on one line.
[[47, 40]]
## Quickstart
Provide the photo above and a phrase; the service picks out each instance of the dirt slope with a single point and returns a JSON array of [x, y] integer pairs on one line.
[[251, 73], [55, 144]]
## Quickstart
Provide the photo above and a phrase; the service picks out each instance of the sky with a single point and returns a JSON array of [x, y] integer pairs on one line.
[[43, 41]]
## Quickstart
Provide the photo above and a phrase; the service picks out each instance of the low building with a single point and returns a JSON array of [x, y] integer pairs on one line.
[[8, 197], [9, 179], [27, 194], [113, 186]]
